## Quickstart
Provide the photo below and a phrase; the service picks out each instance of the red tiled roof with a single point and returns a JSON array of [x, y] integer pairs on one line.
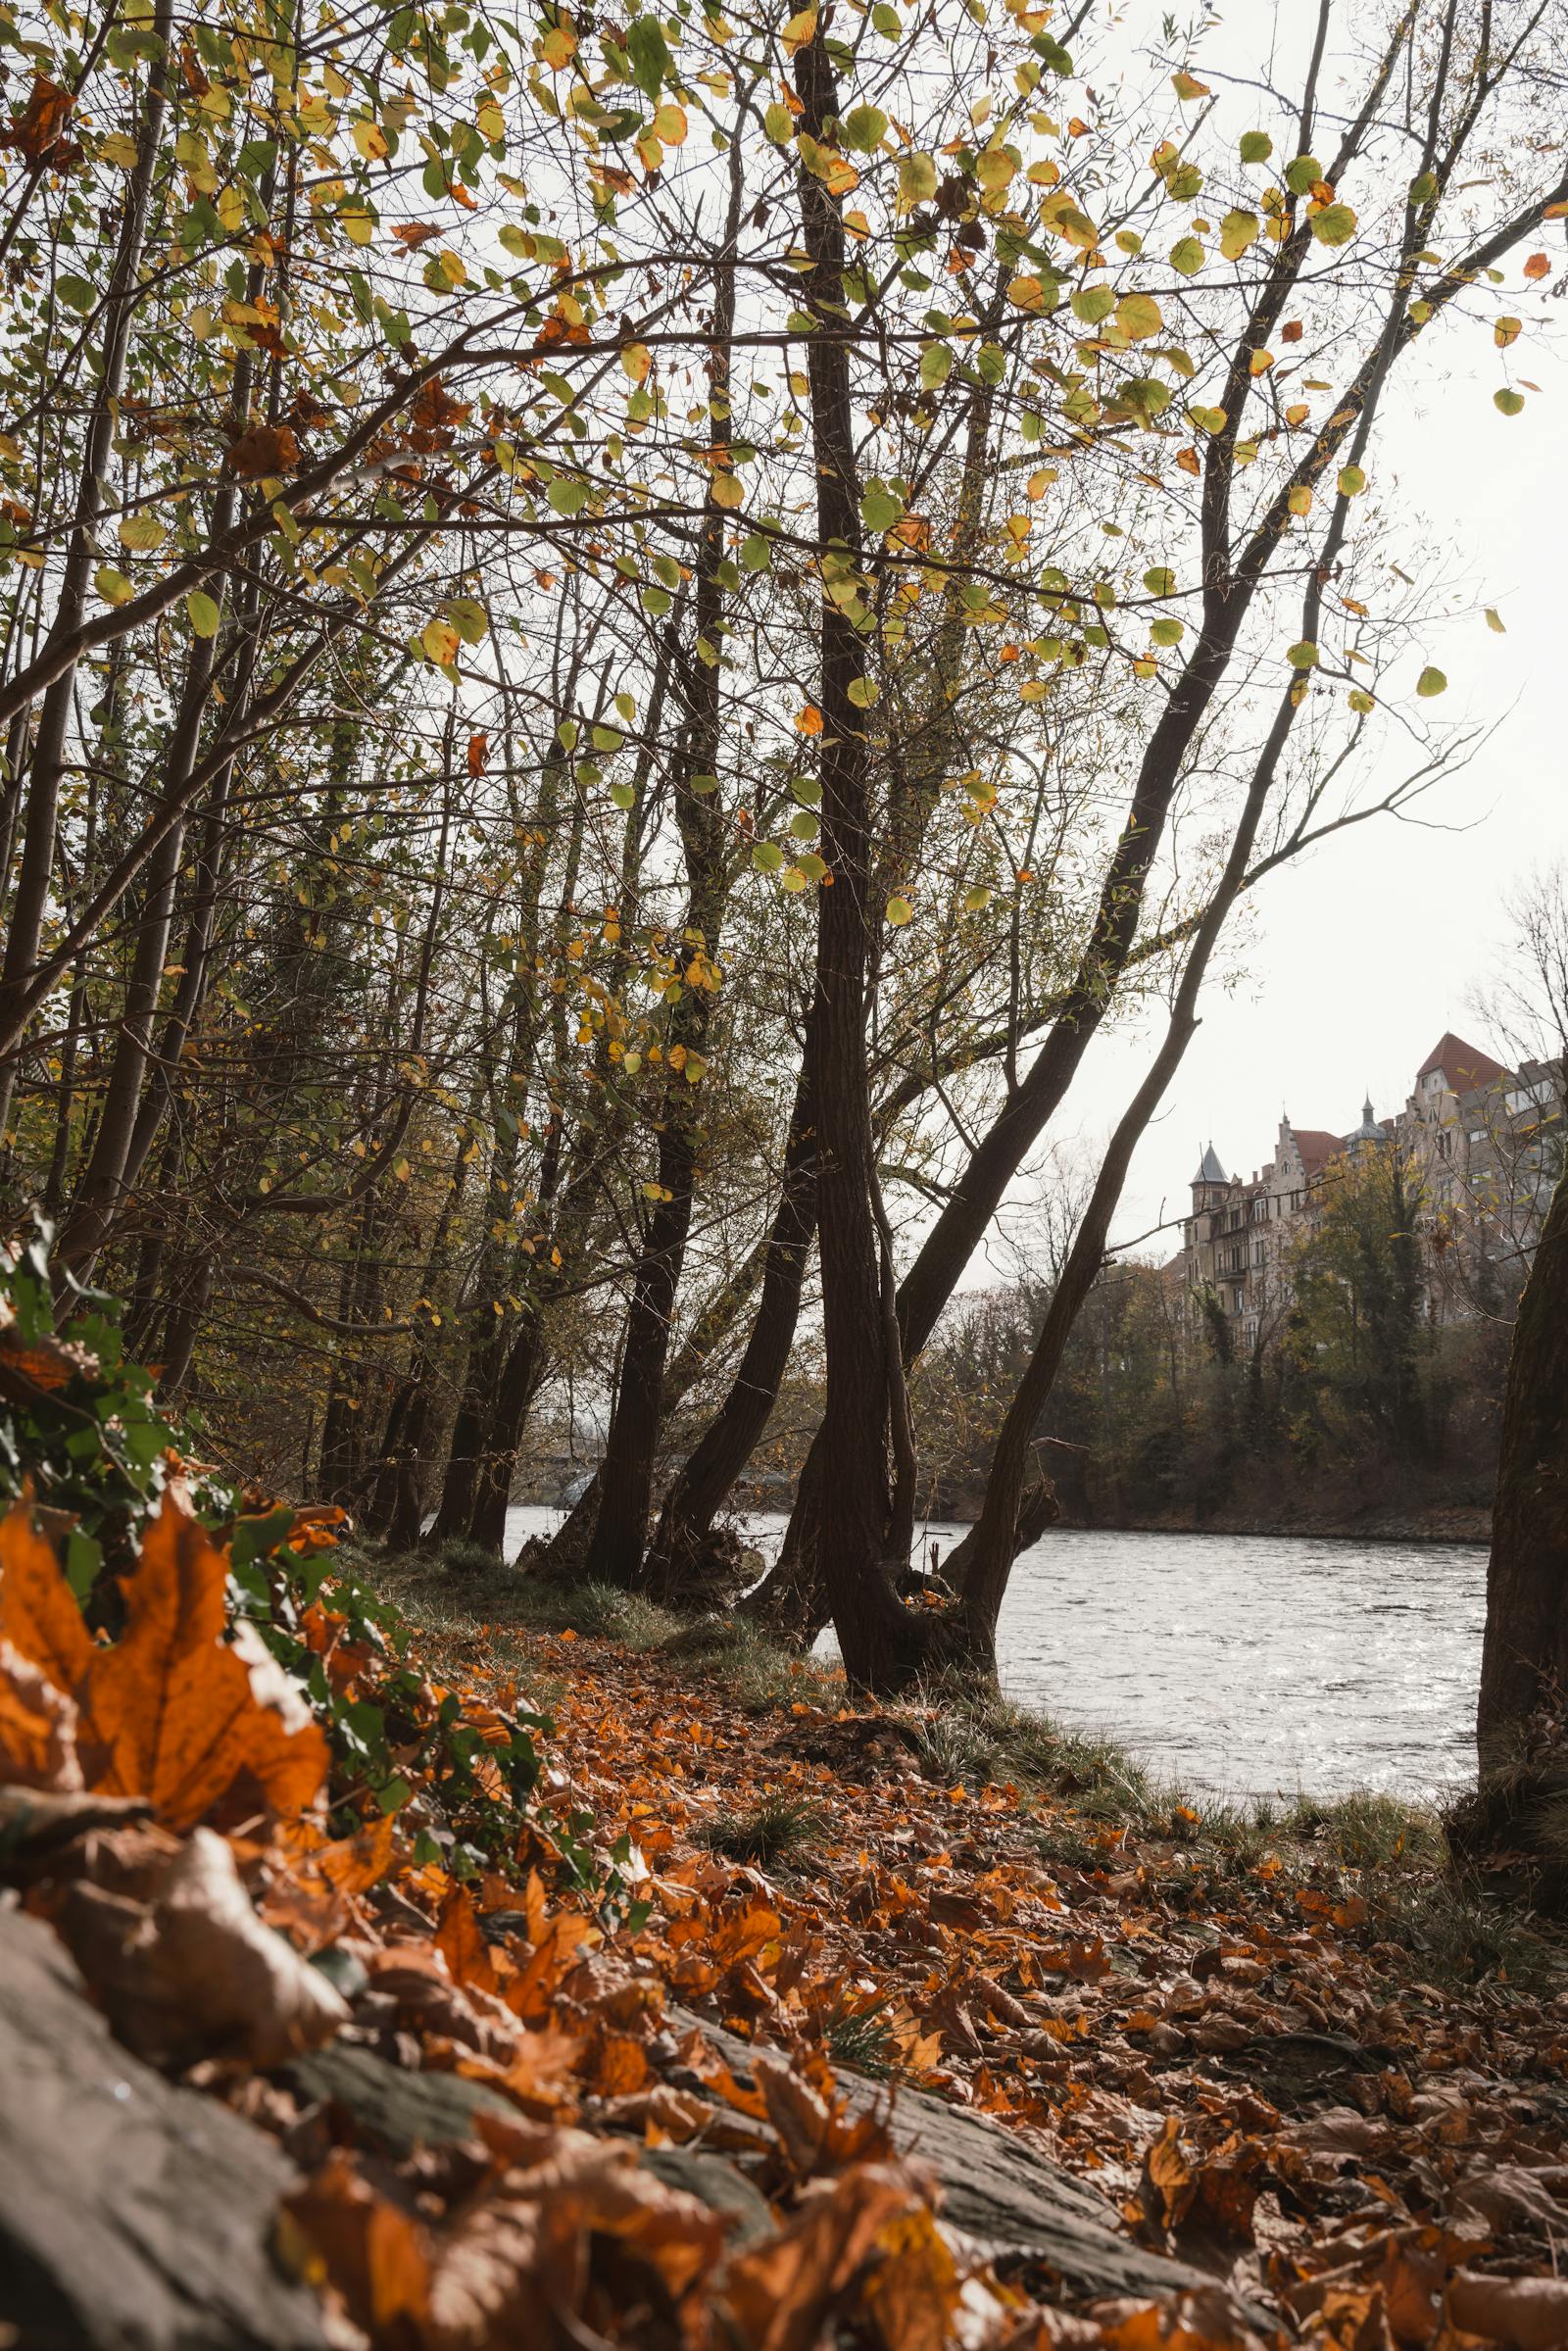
[[1316, 1147], [1465, 1066]]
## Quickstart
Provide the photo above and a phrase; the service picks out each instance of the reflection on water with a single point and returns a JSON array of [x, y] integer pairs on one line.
[[1243, 1664]]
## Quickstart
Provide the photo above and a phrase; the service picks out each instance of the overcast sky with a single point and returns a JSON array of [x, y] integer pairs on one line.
[[1359, 958]]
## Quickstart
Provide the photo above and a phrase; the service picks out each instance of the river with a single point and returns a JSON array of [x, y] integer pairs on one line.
[[1243, 1665]]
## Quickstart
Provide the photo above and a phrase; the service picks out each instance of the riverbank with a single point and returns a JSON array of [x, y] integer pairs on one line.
[[1434, 1522], [653, 1991], [1401, 1519], [1286, 2046]]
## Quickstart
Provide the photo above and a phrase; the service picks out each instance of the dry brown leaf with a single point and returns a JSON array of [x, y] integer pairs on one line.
[[781, 2292], [914, 2289], [37, 1728], [336, 2229], [195, 1972], [521, 2249], [1531, 2312], [264, 450]]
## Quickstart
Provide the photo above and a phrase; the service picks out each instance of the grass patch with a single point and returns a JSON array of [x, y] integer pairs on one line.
[[778, 1829], [1458, 1935], [759, 1672], [958, 1736], [861, 2035]]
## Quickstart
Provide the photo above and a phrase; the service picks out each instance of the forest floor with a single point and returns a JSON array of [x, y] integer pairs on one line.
[[896, 2028], [1290, 2048]]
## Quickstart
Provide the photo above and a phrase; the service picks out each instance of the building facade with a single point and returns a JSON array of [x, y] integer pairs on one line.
[[1484, 1147]]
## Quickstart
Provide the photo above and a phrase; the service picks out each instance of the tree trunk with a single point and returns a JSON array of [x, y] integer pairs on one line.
[[1524, 1659], [704, 1484], [878, 1637]]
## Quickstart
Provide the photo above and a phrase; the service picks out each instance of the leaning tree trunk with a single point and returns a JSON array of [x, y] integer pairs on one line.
[[704, 1484], [1524, 1660]]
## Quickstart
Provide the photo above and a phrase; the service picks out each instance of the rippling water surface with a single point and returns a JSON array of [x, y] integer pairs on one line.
[[1244, 1664]]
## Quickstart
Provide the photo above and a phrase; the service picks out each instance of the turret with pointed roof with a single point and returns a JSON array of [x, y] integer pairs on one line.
[[1210, 1170]]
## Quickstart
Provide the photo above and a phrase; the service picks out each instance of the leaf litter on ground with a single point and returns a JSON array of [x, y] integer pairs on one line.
[[506, 2064]]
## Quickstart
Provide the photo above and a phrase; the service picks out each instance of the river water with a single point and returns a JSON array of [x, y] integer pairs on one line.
[[1238, 1664]]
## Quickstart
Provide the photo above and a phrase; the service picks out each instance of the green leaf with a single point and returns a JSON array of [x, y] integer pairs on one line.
[[1335, 224], [864, 127], [1351, 481], [917, 178], [936, 365], [623, 795], [1303, 655], [1508, 400], [111, 585], [1167, 630], [1423, 187], [767, 856], [1091, 304], [880, 508], [1138, 316], [1431, 682], [1187, 256], [649, 53], [1301, 175], [1160, 580], [755, 554], [1256, 146], [899, 911], [568, 497], [204, 612], [1362, 701], [78, 292], [469, 618], [1495, 622]]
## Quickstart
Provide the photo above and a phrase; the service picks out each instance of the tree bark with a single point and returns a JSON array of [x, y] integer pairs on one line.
[[1524, 1658], [705, 1482], [877, 1636]]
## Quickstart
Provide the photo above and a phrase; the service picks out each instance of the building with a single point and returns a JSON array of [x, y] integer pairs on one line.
[[1484, 1147]]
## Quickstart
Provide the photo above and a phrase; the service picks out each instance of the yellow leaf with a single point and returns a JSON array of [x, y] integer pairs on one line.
[[371, 141], [729, 491], [441, 643], [799, 29]]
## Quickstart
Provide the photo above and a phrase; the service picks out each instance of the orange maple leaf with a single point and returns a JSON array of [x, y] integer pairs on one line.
[[172, 1711]]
